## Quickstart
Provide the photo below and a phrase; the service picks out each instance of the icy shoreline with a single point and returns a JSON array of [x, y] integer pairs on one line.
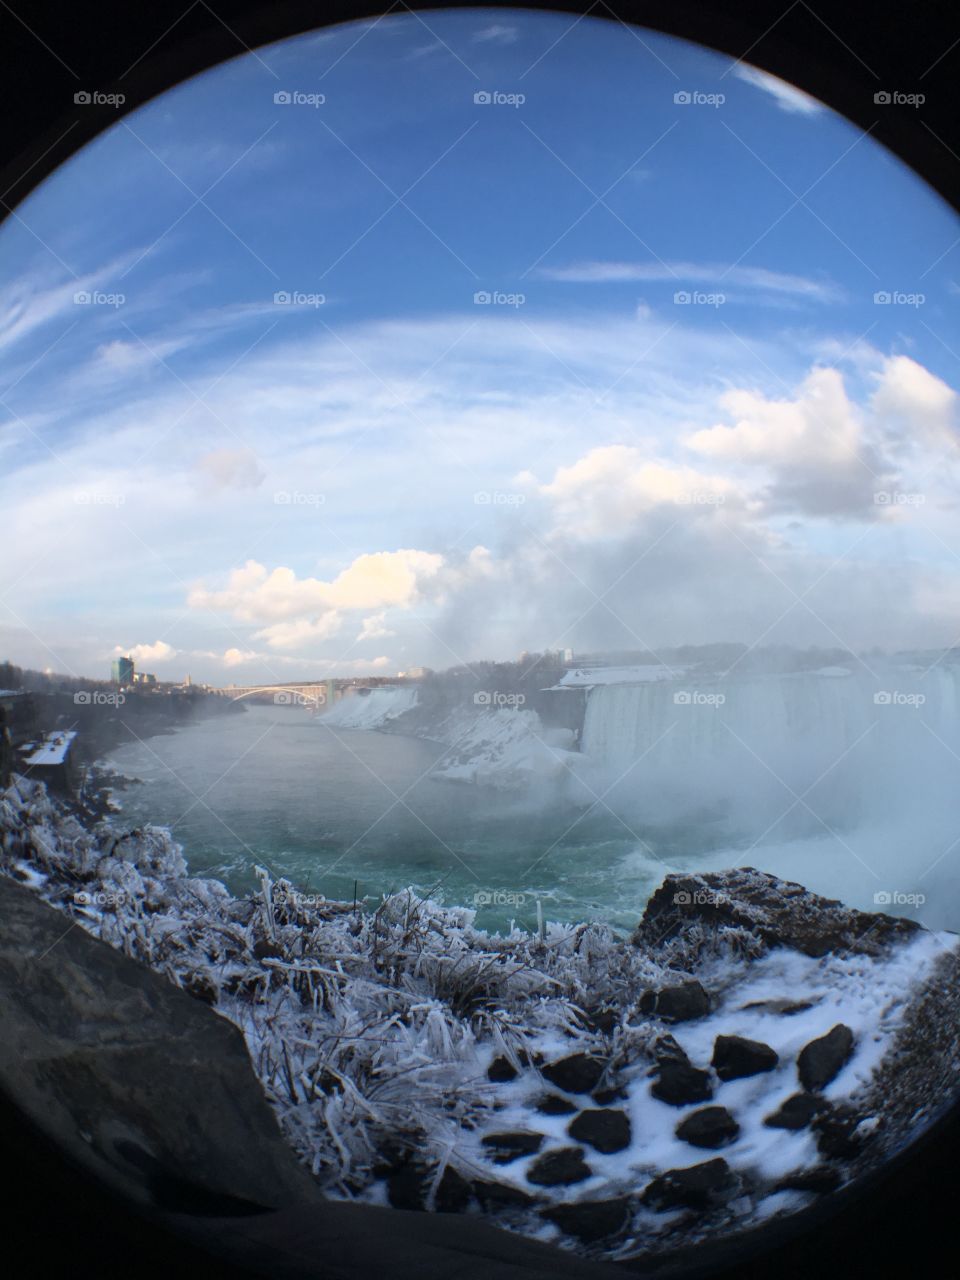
[[607, 1095], [506, 748]]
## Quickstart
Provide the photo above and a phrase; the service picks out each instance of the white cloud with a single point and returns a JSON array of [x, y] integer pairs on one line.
[[301, 611], [301, 631], [235, 657], [159, 651], [787, 97], [373, 628], [822, 454], [608, 491], [506, 404], [255, 594], [914, 402]]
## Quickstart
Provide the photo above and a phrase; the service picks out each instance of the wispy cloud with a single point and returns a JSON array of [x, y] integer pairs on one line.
[[707, 273], [496, 34]]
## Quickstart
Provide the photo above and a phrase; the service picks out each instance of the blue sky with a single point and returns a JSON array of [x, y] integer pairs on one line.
[[385, 471]]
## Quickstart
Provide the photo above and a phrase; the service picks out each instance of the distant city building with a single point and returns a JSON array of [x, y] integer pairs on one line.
[[122, 671], [415, 673], [144, 677]]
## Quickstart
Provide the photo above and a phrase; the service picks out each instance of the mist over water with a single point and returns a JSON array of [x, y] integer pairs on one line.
[[328, 808], [841, 778]]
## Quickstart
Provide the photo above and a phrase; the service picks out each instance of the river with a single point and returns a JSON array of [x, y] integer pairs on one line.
[[333, 809]]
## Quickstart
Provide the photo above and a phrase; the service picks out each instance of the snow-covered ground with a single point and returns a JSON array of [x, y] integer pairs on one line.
[[501, 747], [53, 749], [371, 710], [415, 1060], [505, 747], [588, 677]]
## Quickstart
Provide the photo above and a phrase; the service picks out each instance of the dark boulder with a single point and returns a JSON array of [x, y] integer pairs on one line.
[[709, 1127], [820, 1179], [114, 1064], [201, 986], [666, 1049], [590, 1220], [578, 1073], [697, 1187], [779, 913], [507, 1147], [796, 1112], [603, 1097], [495, 1197], [822, 1060], [603, 1019], [453, 1192], [680, 1084], [559, 1168], [837, 1133], [682, 1003], [786, 1008], [407, 1187], [606, 1131], [552, 1104], [734, 1057], [501, 1070]]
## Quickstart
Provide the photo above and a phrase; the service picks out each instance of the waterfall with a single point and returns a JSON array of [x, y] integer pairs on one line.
[[843, 742]]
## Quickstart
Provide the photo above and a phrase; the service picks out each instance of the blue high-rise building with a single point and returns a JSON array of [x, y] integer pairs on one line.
[[121, 671]]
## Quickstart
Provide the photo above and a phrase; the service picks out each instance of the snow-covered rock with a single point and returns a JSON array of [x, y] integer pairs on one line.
[[371, 710], [507, 748]]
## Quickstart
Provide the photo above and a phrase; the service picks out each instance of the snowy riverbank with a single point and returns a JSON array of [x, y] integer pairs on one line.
[[614, 1096], [504, 747]]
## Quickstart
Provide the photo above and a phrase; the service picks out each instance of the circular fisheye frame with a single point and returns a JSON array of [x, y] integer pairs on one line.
[[500, 706]]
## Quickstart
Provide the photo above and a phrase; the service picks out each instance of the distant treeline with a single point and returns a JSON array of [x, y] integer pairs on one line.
[[527, 675], [14, 677]]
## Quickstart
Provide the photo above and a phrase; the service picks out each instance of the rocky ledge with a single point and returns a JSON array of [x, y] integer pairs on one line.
[[768, 912], [616, 1097]]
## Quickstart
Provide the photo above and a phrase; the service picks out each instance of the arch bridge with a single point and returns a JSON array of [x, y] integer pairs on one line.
[[314, 696]]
